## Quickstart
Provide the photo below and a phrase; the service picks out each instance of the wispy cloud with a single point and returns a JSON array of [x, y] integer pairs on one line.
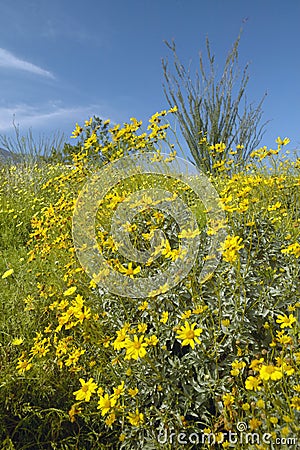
[[47, 116], [11, 61]]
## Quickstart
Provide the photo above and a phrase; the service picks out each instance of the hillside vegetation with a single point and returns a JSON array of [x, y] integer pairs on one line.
[[83, 367]]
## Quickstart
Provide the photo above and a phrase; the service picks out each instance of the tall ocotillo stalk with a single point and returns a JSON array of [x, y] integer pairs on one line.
[[214, 107]]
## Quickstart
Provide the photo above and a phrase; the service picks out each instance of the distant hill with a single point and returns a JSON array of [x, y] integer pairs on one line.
[[8, 157]]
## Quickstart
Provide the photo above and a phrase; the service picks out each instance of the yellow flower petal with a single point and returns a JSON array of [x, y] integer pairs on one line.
[[70, 291], [7, 273], [17, 341]]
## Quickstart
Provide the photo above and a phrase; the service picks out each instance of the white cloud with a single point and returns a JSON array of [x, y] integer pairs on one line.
[[47, 116], [10, 61]]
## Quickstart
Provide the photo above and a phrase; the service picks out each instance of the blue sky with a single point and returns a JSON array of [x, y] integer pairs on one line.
[[62, 61]]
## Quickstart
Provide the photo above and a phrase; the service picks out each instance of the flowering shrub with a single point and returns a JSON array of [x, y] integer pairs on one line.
[[85, 368]]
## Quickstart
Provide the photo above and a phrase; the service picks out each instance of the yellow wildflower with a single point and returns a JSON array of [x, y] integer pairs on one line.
[[236, 367], [256, 364], [87, 389], [245, 406], [186, 314], [24, 364], [17, 341], [253, 384], [106, 403], [283, 338], [142, 327], [260, 404], [133, 392], [281, 142], [164, 317], [118, 391], [189, 335], [228, 399], [200, 309], [152, 340], [70, 291], [143, 306], [268, 372], [78, 130], [74, 357], [292, 249], [295, 403], [136, 419], [287, 369], [7, 273], [254, 423], [230, 248], [286, 321], [110, 419], [135, 349], [129, 271]]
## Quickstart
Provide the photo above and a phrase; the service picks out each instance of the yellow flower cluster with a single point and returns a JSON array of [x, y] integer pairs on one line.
[[136, 347], [263, 152], [266, 372], [125, 138], [292, 249], [82, 332], [230, 248], [108, 404], [74, 315]]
